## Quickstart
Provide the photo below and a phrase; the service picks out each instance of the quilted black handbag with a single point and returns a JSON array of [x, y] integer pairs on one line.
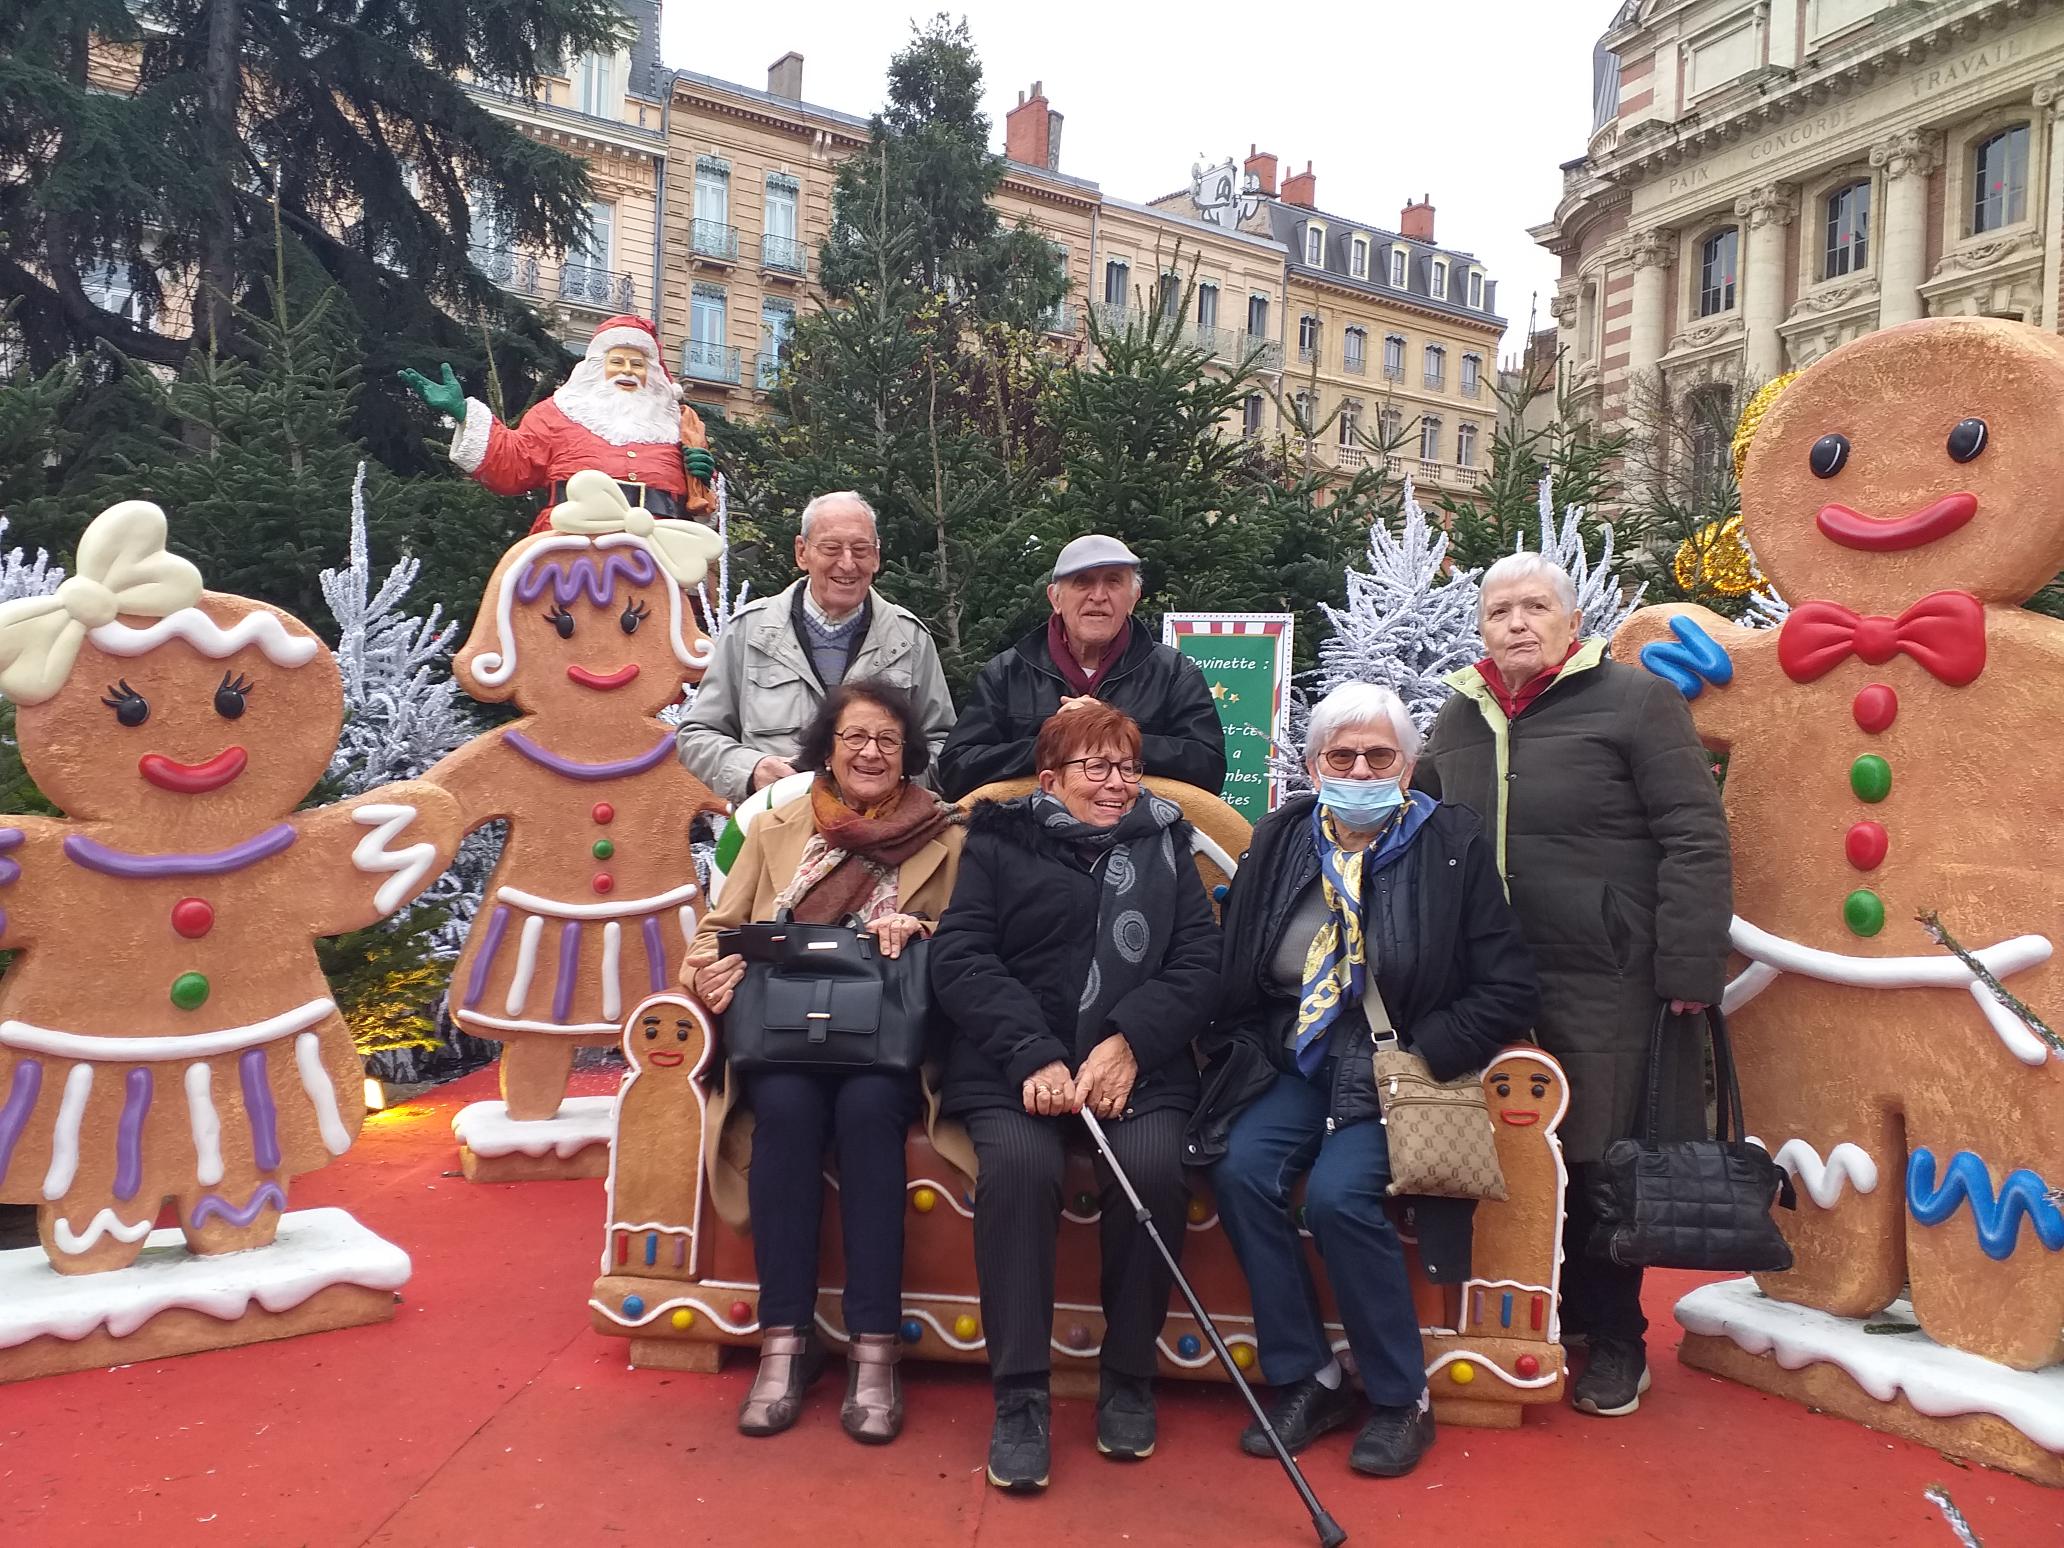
[[1692, 1204], [824, 997]]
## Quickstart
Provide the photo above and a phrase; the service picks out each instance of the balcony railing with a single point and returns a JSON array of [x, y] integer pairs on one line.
[[709, 362], [510, 270], [1394, 465], [767, 366], [602, 289], [784, 255], [1059, 318], [1395, 373], [1431, 472], [1354, 364], [1465, 478], [1269, 351], [713, 239], [1467, 386], [1112, 316], [1436, 380], [1351, 457], [1306, 353]]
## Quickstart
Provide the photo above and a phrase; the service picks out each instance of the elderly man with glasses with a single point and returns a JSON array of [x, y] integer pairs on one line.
[[779, 656]]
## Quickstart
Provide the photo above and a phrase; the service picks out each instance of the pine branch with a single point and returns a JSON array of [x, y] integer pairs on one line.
[[1939, 933]]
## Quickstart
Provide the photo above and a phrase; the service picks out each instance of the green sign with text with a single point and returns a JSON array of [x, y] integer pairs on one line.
[[1245, 659]]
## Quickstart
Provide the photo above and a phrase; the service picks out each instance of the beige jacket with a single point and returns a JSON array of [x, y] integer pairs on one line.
[[772, 850]]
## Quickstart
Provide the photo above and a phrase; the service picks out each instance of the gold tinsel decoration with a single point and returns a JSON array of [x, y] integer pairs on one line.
[[1717, 560], [1752, 416]]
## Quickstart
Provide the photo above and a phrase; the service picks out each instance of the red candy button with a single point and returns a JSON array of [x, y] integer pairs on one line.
[[604, 882], [1528, 1367], [605, 813], [1866, 844], [741, 1312], [1876, 707], [193, 917]]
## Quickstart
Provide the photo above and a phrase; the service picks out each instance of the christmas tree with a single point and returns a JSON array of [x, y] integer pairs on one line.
[[1601, 595]]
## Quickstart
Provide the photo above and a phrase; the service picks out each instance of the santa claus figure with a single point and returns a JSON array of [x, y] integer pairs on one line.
[[618, 412]]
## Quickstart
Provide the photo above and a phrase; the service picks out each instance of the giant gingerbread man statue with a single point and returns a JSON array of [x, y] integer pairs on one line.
[[1890, 755]]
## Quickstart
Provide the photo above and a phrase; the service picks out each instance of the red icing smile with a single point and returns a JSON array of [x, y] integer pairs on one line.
[[665, 1056], [192, 778], [1521, 1120], [1883, 535], [616, 679]]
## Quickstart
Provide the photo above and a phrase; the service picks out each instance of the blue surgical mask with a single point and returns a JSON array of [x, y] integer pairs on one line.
[[1361, 803]]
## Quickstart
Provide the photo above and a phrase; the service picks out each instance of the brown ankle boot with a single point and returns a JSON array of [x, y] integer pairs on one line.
[[873, 1412], [790, 1359]]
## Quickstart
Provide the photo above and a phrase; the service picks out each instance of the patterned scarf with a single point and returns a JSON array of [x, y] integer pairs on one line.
[[860, 852], [1136, 908], [1336, 966]]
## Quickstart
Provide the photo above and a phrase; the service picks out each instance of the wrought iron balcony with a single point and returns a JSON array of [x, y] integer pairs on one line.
[[1467, 386], [1113, 316], [1269, 350], [707, 361], [510, 270], [782, 254], [1059, 318], [767, 366], [1436, 380], [1354, 365], [713, 239], [601, 289], [1395, 373], [1307, 353]]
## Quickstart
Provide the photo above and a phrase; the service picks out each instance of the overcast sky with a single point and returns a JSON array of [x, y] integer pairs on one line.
[[1476, 102]]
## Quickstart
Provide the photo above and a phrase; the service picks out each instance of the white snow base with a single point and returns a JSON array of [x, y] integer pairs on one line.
[[1941, 1383], [315, 1249], [486, 1129]]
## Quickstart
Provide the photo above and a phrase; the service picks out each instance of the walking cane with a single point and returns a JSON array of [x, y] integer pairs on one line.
[[1329, 1530]]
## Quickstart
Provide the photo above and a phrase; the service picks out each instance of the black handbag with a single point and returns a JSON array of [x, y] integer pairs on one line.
[[823, 997], [1691, 1204]]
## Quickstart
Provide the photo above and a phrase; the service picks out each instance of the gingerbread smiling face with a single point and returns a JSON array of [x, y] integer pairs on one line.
[[1526, 1091]]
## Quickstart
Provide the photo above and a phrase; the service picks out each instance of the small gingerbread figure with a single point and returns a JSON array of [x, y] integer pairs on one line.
[[1889, 752], [655, 1191], [589, 629], [166, 1032]]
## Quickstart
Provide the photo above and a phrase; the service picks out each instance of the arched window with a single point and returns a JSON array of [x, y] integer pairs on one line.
[[1999, 180], [1848, 230], [1716, 272]]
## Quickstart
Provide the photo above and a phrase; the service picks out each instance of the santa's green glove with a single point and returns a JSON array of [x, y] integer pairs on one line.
[[446, 396], [699, 463]]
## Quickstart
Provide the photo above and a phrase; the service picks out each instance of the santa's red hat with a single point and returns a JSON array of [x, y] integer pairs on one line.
[[627, 332]]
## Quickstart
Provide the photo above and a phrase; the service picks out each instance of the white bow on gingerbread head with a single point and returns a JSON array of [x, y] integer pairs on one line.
[[123, 568], [594, 506]]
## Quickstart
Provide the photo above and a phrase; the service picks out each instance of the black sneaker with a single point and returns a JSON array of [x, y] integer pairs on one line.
[[1300, 1414], [1613, 1382], [1020, 1450], [1392, 1442], [1125, 1417]]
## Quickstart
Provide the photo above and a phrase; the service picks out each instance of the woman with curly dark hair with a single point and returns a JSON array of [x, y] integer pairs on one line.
[[869, 843]]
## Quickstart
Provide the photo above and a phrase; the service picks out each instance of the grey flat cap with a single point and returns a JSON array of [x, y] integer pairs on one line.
[[1093, 551]]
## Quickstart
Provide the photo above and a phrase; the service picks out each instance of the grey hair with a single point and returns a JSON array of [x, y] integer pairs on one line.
[[837, 496], [1526, 566], [1360, 704]]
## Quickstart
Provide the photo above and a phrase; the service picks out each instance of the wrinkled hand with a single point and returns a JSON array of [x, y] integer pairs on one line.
[[715, 982], [1687, 1007], [1049, 1092], [1104, 1083], [1075, 701], [768, 770], [895, 931], [699, 463], [446, 396]]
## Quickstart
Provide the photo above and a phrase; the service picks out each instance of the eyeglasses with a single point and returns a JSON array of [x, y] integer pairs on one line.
[[1097, 770], [859, 553], [889, 742], [1341, 760]]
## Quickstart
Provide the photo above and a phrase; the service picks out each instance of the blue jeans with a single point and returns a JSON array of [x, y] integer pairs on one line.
[[1280, 1136]]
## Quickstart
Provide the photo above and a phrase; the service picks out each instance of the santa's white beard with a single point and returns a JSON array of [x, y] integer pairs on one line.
[[645, 417]]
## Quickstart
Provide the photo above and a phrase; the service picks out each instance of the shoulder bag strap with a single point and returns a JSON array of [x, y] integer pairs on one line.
[[1732, 1121], [1652, 1099], [1382, 1030]]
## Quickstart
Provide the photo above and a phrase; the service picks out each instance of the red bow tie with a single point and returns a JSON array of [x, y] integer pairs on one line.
[[1944, 632]]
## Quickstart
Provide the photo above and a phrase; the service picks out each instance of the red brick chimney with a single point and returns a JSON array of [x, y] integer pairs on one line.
[[1261, 166], [1302, 188], [1417, 220], [1032, 130]]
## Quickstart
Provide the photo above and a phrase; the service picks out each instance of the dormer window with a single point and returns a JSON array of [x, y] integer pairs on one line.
[[1315, 246], [1476, 289], [1359, 265], [1398, 259], [1440, 280]]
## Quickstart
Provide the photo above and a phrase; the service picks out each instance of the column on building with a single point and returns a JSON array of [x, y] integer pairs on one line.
[[2049, 112], [1563, 308], [1650, 253], [1764, 213], [1902, 235]]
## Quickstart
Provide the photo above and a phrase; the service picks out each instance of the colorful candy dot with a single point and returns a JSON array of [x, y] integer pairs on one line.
[[603, 812], [683, 1319], [912, 1331], [1871, 778], [964, 1326], [1876, 707], [1188, 1347], [924, 1201], [634, 1306], [193, 917], [1528, 1366], [604, 882], [1198, 1212], [1243, 1356], [1220, 893], [1085, 1203], [1461, 1373], [1077, 1336], [741, 1311], [190, 991], [1866, 844], [1864, 912], [603, 849]]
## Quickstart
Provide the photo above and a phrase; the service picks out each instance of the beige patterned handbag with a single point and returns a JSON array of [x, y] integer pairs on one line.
[[1439, 1132]]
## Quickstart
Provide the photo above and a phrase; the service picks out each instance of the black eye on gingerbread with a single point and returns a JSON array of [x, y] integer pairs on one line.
[[1967, 439], [633, 616], [131, 708], [230, 696], [1829, 454], [561, 620]]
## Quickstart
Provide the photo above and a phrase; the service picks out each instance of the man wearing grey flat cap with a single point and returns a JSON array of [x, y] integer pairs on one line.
[[1088, 650]]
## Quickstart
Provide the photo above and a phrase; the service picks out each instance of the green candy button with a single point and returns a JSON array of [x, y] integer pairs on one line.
[[603, 849], [1870, 777], [1864, 912], [189, 991]]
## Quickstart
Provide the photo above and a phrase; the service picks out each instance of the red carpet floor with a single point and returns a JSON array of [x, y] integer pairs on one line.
[[487, 1415]]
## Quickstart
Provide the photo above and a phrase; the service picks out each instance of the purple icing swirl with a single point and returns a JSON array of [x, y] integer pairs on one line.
[[269, 1195], [10, 838], [95, 856], [21, 1101], [558, 764], [129, 1135], [595, 575], [258, 1105], [569, 969], [476, 985]]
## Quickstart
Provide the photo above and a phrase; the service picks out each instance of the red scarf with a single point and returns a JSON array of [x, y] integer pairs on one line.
[[1079, 677], [884, 837], [1514, 702]]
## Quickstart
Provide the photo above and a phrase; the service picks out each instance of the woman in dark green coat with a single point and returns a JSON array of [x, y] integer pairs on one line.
[[1614, 850]]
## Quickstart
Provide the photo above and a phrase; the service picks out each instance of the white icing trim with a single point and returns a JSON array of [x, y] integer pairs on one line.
[[612, 957], [152, 1050], [674, 1303], [1525, 1383], [1203, 844], [1941, 1383], [628, 908], [64, 1139], [557, 1028], [322, 1094], [410, 864], [315, 1248], [492, 668], [190, 624], [1824, 1181], [678, 1002], [1773, 954], [204, 1125], [469, 440], [687, 921], [106, 1223], [486, 1129], [526, 962]]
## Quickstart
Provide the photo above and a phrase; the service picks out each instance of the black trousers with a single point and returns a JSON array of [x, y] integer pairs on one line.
[[1600, 1298], [1017, 1217], [865, 1117]]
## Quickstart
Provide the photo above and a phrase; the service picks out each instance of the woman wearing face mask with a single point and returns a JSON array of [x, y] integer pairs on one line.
[[1366, 878]]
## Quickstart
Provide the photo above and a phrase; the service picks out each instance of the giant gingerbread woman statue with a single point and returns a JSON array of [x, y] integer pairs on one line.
[[1888, 758]]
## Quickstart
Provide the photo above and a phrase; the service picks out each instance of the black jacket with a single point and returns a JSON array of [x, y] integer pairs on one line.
[[1014, 948], [1455, 972], [1020, 688]]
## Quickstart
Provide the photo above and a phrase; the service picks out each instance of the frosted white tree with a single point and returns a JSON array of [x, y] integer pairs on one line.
[[719, 607], [21, 576], [1601, 595]]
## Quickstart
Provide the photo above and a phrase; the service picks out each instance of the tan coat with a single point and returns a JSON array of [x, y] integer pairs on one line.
[[773, 848]]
